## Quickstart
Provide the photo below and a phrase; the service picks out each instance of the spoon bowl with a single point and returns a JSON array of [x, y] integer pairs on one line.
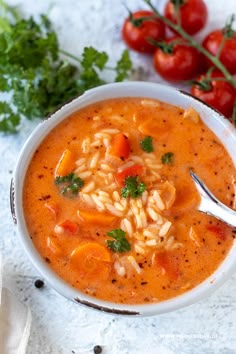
[[210, 205]]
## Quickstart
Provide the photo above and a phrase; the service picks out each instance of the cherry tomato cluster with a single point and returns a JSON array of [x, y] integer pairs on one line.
[[175, 59]]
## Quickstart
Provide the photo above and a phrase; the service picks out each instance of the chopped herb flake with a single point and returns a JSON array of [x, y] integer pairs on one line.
[[133, 188], [167, 158], [147, 144], [70, 184], [120, 243]]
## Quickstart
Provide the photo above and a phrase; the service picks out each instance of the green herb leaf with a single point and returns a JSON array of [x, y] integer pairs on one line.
[[147, 144], [120, 244], [123, 66], [69, 184], [133, 188], [167, 158], [33, 73]]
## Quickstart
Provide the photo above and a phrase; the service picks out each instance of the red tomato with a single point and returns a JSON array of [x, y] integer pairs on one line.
[[221, 94], [137, 37], [135, 170], [212, 43], [193, 14], [183, 63]]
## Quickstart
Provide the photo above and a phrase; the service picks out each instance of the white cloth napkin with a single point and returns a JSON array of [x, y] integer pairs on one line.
[[15, 321]]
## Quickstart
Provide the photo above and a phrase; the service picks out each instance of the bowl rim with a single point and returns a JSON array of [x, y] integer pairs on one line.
[[213, 119]]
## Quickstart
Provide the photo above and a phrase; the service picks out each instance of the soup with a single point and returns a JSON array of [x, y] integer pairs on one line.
[[111, 207]]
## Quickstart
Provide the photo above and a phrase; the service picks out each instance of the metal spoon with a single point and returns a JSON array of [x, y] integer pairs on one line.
[[210, 205]]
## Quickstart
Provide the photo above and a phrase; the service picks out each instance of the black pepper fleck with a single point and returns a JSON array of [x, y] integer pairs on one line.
[[97, 349], [39, 283]]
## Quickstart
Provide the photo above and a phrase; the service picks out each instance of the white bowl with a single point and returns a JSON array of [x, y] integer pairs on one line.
[[215, 121]]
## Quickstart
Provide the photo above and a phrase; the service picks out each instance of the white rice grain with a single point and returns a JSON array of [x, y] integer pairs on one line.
[[153, 215], [127, 226], [139, 249], [89, 187], [87, 198], [152, 242], [80, 161], [102, 136], [110, 131], [98, 203], [165, 228], [96, 143], [159, 203], [113, 210], [94, 160], [86, 145], [149, 103], [116, 196], [84, 174], [118, 206], [134, 264], [125, 165], [106, 167], [120, 270]]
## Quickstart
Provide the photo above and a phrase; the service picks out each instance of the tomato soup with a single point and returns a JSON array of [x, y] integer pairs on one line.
[[110, 205]]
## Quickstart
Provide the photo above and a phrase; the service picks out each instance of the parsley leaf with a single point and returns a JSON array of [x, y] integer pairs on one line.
[[34, 75], [133, 188], [147, 144], [123, 66], [120, 243], [167, 158], [69, 184]]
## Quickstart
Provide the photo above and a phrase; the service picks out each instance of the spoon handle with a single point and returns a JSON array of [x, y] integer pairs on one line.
[[211, 205]]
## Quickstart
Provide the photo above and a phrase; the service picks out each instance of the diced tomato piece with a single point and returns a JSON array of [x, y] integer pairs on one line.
[[135, 170], [218, 231], [120, 146], [67, 226], [169, 262]]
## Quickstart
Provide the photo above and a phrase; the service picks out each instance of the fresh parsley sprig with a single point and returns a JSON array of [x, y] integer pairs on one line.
[[69, 184], [133, 188], [120, 243], [33, 74]]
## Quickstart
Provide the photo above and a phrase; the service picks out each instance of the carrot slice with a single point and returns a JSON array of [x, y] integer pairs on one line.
[[155, 129], [92, 261], [66, 163], [120, 146], [135, 170], [93, 217], [67, 226]]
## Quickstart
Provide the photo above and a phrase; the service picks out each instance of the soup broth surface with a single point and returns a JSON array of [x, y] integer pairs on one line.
[[111, 207]]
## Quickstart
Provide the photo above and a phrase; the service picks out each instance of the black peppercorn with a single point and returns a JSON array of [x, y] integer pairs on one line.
[[38, 283], [97, 349]]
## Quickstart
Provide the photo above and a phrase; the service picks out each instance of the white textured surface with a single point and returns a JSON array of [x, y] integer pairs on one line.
[[60, 326]]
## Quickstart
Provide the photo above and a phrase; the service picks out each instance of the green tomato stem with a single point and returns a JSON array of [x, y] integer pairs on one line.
[[177, 28]]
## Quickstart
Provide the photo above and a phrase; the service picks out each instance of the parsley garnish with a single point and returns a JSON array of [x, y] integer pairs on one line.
[[120, 244], [70, 184], [133, 188], [167, 158], [147, 144], [34, 76]]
